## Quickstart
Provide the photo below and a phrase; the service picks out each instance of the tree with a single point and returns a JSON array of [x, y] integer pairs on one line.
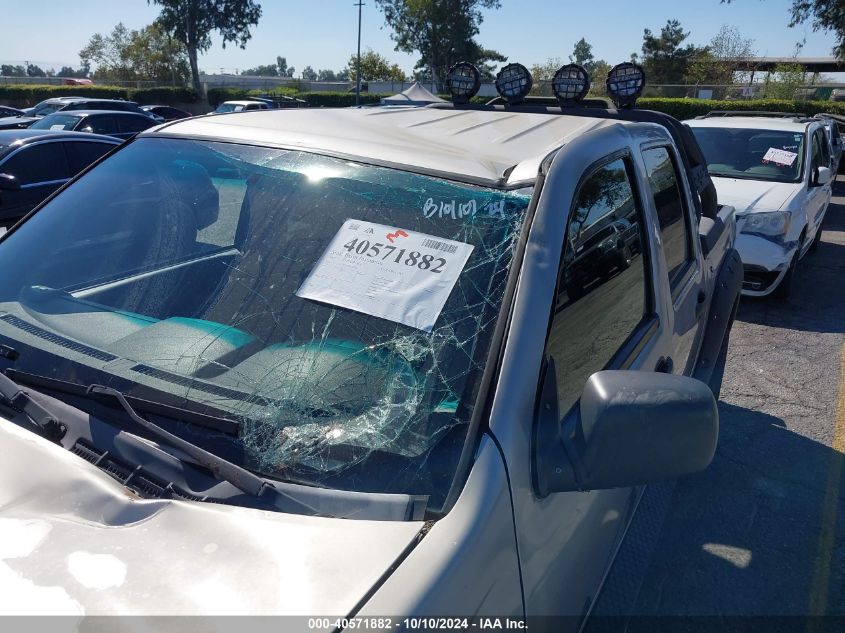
[[146, 55], [34, 71], [155, 56], [326, 75], [374, 67], [193, 21], [545, 71], [309, 74], [582, 54], [7, 70], [69, 71], [664, 58], [785, 82], [283, 69], [718, 64], [824, 15], [106, 54], [441, 31], [267, 70]]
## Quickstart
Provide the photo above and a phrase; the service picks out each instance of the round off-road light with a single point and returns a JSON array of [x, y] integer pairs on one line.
[[464, 81], [625, 83], [571, 83], [514, 83]]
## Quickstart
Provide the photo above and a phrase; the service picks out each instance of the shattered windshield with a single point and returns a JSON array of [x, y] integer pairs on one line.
[[341, 313]]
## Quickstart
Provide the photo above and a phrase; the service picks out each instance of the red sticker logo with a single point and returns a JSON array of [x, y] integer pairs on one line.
[[397, 235]]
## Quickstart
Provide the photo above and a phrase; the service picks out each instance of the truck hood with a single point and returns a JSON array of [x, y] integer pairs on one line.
[[749, 196], [75, 542]]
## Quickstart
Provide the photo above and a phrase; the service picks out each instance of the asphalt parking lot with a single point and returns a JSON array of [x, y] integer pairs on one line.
[[762, 531]]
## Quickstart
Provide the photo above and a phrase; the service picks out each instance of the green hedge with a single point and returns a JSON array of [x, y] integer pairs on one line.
[[24, 95], [690, 108]]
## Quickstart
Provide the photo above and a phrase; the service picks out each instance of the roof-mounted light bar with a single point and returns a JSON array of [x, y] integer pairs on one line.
[[625, 83], [513, 83], [464, 81], [571, 83]]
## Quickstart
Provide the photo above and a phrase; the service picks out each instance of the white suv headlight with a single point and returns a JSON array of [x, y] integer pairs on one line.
[[766, 223]]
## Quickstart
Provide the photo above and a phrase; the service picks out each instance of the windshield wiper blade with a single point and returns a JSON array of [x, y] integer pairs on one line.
[[239, 477], [20, 399]]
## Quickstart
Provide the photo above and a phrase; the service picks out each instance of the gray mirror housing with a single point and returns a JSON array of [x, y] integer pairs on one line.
[[823, 176], [630, 428]]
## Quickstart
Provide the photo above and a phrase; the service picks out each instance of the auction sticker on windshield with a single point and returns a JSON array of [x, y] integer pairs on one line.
[[780, 157], [387, 272]]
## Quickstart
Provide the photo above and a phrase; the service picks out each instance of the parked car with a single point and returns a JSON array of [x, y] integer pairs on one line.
[[777, 172], [282, 101], [16, 122], [10, 111], [167, 113], [597, 253], [113, 105], [241, 106], [48, 106], [345, 378], [122, 125], [34, 163]]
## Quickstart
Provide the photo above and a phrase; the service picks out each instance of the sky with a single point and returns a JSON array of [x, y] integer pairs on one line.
[[323, 33]]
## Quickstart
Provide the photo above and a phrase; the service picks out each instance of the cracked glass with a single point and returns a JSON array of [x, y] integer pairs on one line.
[[173, 266]]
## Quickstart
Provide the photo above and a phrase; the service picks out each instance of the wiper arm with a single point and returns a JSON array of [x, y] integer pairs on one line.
[[239, 477], [21, 400]]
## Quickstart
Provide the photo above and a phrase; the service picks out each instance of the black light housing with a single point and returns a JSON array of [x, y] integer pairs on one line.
[[464, 82], [571, 83], [513, 83], [625, 83]]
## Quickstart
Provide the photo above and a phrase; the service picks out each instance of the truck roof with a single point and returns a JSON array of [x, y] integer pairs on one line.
[[481, 145], [752, 123]]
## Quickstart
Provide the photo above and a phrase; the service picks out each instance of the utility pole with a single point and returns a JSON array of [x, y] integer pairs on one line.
[[358, 63]]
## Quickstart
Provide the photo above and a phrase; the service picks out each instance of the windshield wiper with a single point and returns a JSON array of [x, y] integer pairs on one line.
[[239, 477], [19, 399]]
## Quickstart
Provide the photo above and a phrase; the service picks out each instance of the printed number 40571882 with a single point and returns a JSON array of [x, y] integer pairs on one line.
[[396, 255]]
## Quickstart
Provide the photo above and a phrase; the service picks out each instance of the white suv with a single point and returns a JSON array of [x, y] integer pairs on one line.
[[777, 172]]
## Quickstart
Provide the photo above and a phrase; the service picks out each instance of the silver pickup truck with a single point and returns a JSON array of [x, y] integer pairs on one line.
[[330, 363]]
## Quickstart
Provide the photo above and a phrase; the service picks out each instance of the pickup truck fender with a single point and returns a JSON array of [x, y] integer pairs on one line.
[[726, 292]]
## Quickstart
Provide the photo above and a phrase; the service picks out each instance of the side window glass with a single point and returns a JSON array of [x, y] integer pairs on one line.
[[817, 152], [80, 155], [37, 163], [671, 213], [601, 294], [134, 123], [825, 148], [100, 124]]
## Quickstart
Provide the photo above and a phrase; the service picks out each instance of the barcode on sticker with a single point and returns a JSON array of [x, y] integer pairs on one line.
[[440, 246]]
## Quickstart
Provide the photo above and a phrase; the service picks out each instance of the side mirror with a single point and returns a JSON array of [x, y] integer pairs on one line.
[[823, 176], [630, 428], [8, 182]]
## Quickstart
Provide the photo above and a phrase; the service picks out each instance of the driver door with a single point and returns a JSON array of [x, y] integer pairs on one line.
[[604, 318]]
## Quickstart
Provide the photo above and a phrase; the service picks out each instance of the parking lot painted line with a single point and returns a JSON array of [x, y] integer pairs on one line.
[[824, 553]]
